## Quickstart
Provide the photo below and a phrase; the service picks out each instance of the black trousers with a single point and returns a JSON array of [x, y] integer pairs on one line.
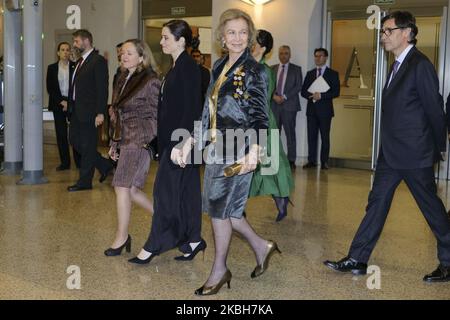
[[83, 137], [62, 138], [288, 121], [177, 220], [318, 125], [421, 183]]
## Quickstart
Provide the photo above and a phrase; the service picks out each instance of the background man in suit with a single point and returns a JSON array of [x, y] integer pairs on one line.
[[413, 136], [286, 99], [89, 98], [320, 110], [206, 74], [58, 83]]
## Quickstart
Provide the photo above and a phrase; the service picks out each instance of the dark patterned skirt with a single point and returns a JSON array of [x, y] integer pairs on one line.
[[132, 168]]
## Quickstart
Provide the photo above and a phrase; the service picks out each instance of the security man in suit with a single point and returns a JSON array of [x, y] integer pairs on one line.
[[320, 110], [88, 102], [286, 99], [413, 138]]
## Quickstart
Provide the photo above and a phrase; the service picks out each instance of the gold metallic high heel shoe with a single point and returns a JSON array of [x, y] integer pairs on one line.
[[209, 291], [260, 269]]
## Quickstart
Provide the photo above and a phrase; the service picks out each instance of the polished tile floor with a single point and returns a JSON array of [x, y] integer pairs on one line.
[[44, 230]]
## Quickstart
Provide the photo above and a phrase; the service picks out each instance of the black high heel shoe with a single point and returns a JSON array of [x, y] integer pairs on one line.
[[117, 252], [260, 269], [200, 247], [136, 260], [209, 291]]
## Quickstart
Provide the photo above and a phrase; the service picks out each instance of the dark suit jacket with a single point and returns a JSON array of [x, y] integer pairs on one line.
[[413, 126], [206, 79], [447, 112], [54, 92], [180, 103], [324, 107], [91, 88], [292, 88]]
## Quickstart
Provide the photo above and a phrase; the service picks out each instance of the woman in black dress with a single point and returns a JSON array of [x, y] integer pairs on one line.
[[177, 196]]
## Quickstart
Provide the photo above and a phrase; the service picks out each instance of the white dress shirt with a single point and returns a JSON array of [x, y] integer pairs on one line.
[[63, 78]]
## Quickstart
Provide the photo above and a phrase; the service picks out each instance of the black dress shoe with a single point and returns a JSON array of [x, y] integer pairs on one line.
[[62, 168], [76, 188], [441, 274], [105, 175], [325, 166], [117, 252], [348, 265], [309, 165], [200, 247], [136, 260]]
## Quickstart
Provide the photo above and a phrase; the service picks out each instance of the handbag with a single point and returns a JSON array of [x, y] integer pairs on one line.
[[150, 147], [232, 170]]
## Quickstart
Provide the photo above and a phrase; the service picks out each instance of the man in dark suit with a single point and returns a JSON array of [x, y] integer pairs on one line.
[[206, 74], [320, 110], [413, 137], [286, 99], [88, 101], [58, 84]]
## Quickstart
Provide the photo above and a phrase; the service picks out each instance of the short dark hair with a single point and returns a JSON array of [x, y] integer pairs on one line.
[[179, 29], [119, 45], [325, 51], [84, 34], [264, 39], [61, 44], [404, 20], [195, 51]]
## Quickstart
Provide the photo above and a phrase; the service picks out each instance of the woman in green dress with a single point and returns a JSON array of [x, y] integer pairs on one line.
[[279, 183]]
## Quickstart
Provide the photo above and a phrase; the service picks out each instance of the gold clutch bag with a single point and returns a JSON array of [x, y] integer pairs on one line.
[[232, 170]]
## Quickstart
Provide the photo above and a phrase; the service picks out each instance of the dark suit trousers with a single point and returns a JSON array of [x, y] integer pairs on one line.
[[287, 120], [62, 140], [83, 137], [315, 125], [421, 183]]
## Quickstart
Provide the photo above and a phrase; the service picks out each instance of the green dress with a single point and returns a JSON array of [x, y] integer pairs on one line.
[[281, 183]]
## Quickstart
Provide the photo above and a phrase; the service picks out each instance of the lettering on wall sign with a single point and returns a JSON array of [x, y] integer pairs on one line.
[[372, 21], [74, 19]]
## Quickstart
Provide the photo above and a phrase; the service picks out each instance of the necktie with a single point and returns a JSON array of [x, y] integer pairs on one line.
[[280, 81], [77, 68], [395, 68], [319, 72]]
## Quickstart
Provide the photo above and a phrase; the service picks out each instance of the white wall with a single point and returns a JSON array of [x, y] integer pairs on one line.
[[291, 22], [110, 21]]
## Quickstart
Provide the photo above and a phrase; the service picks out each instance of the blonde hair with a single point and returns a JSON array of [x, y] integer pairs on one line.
[[235, 14], [145, 52]]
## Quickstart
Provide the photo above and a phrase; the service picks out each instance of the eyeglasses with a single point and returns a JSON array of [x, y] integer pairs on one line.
[[388, 31]]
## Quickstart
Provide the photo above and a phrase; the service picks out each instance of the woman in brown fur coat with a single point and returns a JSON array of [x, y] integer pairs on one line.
[[135, 105]]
